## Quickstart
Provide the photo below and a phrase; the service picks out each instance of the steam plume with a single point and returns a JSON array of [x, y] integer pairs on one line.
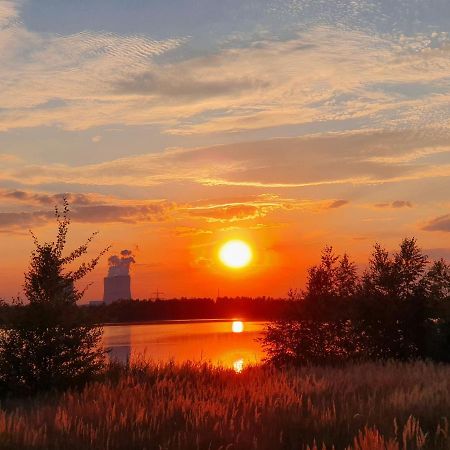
[[120, 265]]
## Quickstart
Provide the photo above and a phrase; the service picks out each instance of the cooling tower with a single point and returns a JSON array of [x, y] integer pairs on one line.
[[117, 288]]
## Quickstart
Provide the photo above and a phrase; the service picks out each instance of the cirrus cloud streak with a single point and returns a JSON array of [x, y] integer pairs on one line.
[[319, 74]]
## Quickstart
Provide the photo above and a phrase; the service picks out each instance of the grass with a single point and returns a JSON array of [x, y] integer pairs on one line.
[[369, 406]]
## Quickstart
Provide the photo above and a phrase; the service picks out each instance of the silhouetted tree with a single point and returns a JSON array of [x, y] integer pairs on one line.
[[436, 284], [393, 305], [50, 343], [318, 330], [437, 280], [398, 277], [334, 277], [400, 308], [347, 281], [321, 280], [409, 266], [378, 279]]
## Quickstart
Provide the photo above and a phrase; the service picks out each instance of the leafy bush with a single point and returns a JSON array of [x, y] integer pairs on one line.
[[50, 343]]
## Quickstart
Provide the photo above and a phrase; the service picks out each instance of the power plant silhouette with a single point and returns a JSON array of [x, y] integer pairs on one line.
[[116, 288], [117, 285]]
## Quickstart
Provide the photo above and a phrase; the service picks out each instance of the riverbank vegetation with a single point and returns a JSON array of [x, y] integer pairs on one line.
[[369, 406], [399, 308], [50, 342]]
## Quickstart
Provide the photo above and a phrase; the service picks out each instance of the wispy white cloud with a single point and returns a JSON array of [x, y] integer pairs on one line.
[[9, 13], [323, 73], [51, 79]]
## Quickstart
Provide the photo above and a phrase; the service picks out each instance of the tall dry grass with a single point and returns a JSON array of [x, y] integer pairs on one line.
[[369, 406]]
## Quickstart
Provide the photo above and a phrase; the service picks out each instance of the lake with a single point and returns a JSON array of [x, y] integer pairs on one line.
[[222, 342]]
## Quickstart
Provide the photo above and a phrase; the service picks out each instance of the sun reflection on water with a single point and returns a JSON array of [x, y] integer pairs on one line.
[[238, 365], [230, 343], [237, 326]]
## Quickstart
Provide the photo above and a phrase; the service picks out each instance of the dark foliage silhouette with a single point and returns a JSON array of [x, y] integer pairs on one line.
[[50, 342], [399, 308], [244, 308]]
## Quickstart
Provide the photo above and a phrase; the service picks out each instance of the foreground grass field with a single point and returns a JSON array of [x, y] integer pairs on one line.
[[362, 407]]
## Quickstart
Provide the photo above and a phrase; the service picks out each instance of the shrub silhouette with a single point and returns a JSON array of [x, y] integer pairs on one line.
[[50, 342], [399, 308], [318, 329]]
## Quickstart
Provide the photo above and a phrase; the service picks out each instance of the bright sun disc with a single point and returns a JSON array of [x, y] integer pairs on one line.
[[235, 254]]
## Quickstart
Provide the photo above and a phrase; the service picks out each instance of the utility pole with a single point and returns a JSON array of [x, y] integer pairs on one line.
[[157, 293]]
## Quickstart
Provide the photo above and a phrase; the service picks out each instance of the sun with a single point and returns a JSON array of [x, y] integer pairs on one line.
[[235, 254]]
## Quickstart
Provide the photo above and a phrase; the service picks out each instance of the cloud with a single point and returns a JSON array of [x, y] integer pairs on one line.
[[418, 154], [51, 79], [153, 212], [316, 160], [255, 207], [84, 208], [7, 158], [90, 79], [22, 221], [438, 253], [190, 231], [441, 223], [93, 208], [170, 84], [16, 221], [38, 198], [337, 204], [202, 262], [395, 204], [230, 213], [237, 209], [9, 13], [401, 204], [353, 81]]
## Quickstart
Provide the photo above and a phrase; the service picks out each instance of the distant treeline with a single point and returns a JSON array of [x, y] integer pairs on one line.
[[132, 311], [245, 308]]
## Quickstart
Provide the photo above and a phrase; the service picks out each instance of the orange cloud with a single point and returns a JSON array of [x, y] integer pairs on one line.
[[85, 208], [395, 204], [318, 160], [230, 213], [441, 223]]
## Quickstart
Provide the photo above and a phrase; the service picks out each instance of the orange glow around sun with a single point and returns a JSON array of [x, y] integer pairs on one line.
[[235, 254]]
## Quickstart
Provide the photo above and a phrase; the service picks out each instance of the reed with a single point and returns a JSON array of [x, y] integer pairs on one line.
[[370, 406]]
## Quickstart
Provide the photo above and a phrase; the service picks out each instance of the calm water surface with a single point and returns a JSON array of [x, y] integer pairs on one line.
[[227, 343]]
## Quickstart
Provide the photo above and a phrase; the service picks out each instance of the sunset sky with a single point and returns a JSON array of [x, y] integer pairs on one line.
[[174, 126]]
